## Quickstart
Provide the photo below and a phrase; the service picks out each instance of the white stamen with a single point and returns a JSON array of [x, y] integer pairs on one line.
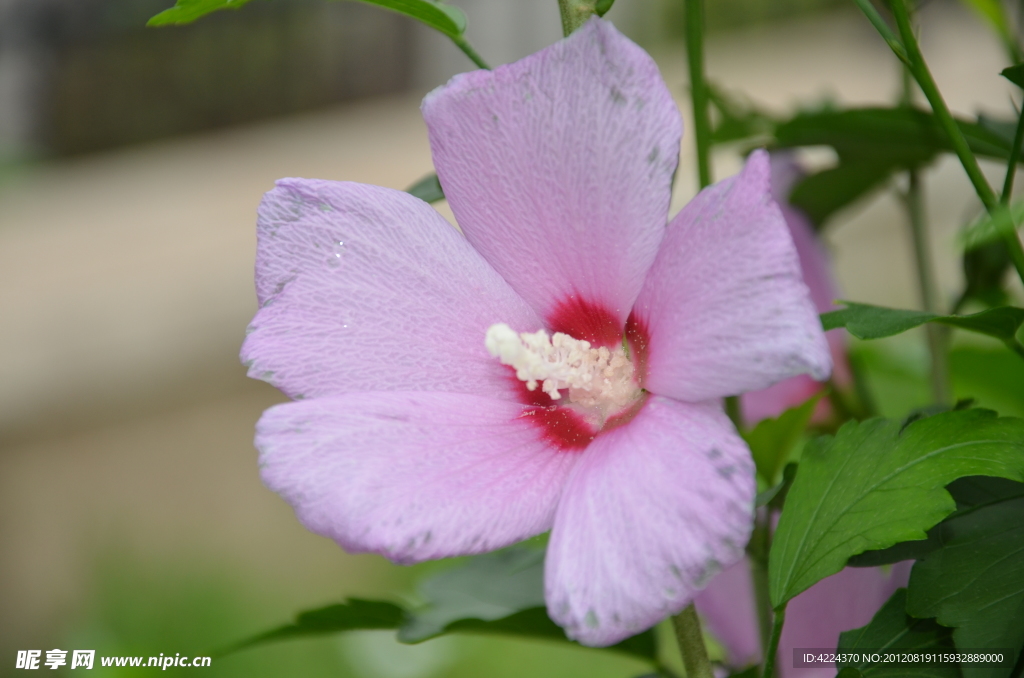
[[596, 377]]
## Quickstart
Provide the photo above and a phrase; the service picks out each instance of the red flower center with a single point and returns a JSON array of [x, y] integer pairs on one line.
[[571, 421]]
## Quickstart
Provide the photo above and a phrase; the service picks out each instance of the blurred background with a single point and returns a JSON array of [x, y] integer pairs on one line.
[[132, 519]]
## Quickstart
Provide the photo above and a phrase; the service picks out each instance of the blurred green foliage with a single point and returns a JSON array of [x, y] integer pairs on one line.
[[143, 608]]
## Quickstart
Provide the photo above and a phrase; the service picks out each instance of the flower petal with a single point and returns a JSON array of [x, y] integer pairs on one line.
[[846, 600], [729, 613], [652, 511], [817, 275], [559, 167], [814, 619], [412, 476], [368, 288], [724, 304]]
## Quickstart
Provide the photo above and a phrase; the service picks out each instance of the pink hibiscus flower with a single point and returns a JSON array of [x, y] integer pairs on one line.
[[559, 366]]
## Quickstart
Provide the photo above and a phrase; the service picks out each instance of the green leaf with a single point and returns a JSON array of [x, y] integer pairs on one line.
[[984, 270], [772, 440], [899, 136], [975, 583], [893, 629], [354, 614], [876, 484], [486, 588], [875, 322], [872, 143], [1014, 74], [822, 194], [990, 375], [187, 11], [500, 592], [427, 189], [969, 493], [775, 496], [988, 228], [441, 17], [993, 12], [602, 7], [736, 118]]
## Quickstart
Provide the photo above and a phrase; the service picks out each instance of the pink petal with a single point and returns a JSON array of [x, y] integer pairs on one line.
[[728, 610], [817, 274], [559, 168], [814, 619], [724, 304], [846, 600], [368, 288], [412, 476], [653, 510]]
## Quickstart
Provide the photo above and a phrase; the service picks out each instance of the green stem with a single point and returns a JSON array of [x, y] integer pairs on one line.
[[461, 43], [698, 87], [1011, 168], [773, 643], [883, 29], [691, 644], [575, 13], [760, 543], [945, 119], [927, 288]]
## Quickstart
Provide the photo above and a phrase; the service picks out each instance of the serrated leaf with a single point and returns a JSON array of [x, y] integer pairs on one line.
[[441, 17], [354, 614], [975, 582], [499, 593], [865, 321], [969, 493], [874, 485], [427, 189], [893, 629], [772, 440]]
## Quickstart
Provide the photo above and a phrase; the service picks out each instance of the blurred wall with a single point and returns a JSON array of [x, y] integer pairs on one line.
[[84, 75]]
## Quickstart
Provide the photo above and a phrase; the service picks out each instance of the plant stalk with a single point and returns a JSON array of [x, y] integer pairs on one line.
[[919, 69], [691, 644], [773, 643], [1011, 167], [698, 87], [468, 50], [758, 548], [575, 13], [927, 288]]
